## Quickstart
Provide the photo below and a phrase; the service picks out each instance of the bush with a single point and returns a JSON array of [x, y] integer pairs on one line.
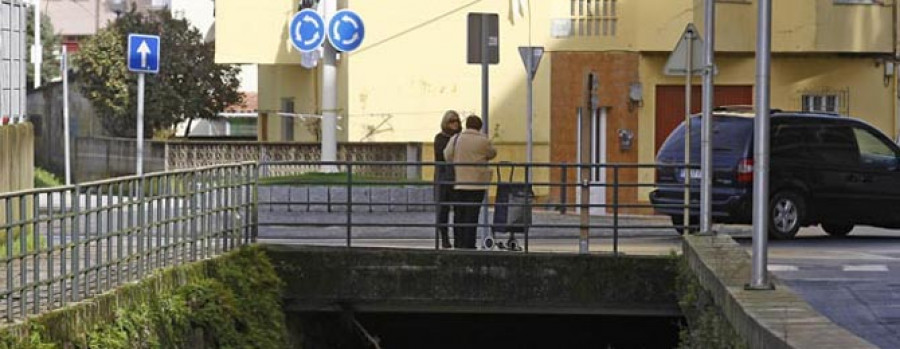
[[45, 179]]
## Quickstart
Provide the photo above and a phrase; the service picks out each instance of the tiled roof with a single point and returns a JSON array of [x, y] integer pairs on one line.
[[250, 104]]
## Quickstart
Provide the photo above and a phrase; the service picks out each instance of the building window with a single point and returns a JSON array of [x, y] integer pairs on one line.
[[287, 119], [593, 17], [824, 103]]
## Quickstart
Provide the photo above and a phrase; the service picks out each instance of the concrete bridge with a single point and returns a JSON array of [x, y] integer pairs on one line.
[[404, 280]]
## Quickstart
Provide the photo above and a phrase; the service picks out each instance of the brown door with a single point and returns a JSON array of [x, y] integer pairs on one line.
[[670, 105]]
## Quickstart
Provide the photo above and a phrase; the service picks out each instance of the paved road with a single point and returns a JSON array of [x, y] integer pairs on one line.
[[854, 281]]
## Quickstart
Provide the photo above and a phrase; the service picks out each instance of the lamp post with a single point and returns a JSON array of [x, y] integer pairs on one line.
[[117, 6]]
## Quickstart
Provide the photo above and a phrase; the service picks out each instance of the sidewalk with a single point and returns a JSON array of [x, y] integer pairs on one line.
[[418, 225]]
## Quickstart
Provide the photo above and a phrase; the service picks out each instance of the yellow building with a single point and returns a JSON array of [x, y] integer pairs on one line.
[[829, 55]]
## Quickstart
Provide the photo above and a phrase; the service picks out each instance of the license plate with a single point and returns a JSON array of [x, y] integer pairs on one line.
[[695, 174]]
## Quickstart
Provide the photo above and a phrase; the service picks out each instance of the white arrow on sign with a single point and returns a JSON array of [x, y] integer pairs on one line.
[[350, 20], [299, 37], [309, 19], [355, 25], [144, 50]]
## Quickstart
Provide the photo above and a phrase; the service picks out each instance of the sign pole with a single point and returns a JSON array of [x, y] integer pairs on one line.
[[759, 279], [530, 120], [531, 56], [329, 96], [688, 74], [586, 140], [485, 109], [140, 125], [706, 131], [38, 55], [67, 138], [485, 76]]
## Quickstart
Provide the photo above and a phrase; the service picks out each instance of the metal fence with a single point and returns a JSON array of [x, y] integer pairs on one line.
[[65, 244], [349, 206], [68, 243], [190, 154]]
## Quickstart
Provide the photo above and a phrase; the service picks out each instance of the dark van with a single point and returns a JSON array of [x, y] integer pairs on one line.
[[824, 169]]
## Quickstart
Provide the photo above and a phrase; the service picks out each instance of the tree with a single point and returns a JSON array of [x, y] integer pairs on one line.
[[50, 43], [189, 84]]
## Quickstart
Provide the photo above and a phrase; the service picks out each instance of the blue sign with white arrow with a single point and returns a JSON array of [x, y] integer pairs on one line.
[[346, 30], [307, 30], [143, 53]]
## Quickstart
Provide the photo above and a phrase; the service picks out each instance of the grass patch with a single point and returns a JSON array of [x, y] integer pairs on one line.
[[339, 178], [152, 187], [45, 179], [30, 245]]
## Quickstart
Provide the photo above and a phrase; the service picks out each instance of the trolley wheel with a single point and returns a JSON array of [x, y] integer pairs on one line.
[[488, 242]]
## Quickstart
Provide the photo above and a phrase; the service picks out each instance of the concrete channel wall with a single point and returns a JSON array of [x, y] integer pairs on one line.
[[769, 319], [391, 279]]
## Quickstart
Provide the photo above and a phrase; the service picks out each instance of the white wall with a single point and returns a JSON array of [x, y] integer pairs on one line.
[[200, 14]]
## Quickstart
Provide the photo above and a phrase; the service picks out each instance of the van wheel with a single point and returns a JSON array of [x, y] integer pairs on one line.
[[787, 210], [678, 223], [837, 230]]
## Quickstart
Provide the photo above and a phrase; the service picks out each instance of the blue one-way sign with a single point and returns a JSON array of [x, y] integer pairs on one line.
[[143, 53]]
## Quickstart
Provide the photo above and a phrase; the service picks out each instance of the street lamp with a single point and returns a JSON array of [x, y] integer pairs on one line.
[[117, 6]]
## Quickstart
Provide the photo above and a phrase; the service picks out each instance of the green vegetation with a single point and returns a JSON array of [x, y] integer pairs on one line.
[[30, 245], [45, 179], [152, 187], [228, 302], [707, 326], [340, 178], [189, 84]]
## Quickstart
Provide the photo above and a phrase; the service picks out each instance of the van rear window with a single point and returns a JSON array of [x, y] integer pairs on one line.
[[730, 139]]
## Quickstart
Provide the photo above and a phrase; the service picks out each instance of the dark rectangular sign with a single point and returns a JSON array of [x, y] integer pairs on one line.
[[483, 27]]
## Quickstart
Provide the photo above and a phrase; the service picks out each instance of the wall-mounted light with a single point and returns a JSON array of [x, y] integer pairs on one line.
[[635, 95]]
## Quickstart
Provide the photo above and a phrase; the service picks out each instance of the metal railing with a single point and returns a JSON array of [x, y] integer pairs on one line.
[[65, 244], [68, 243], [350, 207]]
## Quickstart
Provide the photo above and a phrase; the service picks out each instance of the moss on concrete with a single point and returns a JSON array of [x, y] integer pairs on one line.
[[707, 326], [474, 280], [228, 302]]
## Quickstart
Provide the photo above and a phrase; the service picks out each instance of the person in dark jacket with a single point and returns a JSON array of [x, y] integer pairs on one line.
[[444, 174]]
